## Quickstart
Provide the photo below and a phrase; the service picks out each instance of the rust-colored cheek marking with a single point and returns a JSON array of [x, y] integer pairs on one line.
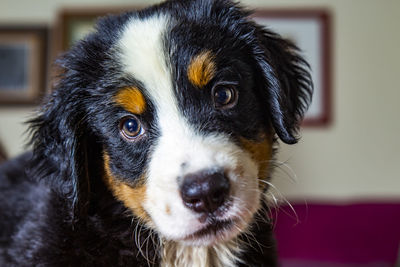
[[201, 69], [261, 153], [132, 197], [131, 99]]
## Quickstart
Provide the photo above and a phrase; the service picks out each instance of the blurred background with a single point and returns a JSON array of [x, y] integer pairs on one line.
[[343, 177]]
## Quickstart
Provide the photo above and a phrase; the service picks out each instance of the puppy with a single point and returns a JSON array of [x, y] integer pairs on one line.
[[155, 147]]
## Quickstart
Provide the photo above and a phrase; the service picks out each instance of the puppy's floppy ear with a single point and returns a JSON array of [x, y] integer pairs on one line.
[[66, 149], [60, 143], [287, 83]]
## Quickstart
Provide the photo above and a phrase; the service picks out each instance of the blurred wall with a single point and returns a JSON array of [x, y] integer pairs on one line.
[[357, 157]]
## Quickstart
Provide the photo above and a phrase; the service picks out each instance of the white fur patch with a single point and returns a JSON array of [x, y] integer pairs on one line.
[[221, 255], [142, 54]]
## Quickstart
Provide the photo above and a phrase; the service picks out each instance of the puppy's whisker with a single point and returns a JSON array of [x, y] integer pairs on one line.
[[286, 169], [271, 206], [284, 200], [146, 241], [139, 244], [247, 241], [253, 238], [136, 234]]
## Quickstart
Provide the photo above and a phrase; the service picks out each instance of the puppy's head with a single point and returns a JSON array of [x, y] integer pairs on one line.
[[184, 100]]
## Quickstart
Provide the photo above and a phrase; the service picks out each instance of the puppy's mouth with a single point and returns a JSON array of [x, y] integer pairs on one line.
[[215, 229]]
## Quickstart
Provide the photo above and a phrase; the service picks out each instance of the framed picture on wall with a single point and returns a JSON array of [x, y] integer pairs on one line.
[[3, 155], [22, 64], [310, 30], [73, 24]]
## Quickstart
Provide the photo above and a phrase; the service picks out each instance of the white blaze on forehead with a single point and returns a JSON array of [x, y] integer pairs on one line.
[[143, 55]]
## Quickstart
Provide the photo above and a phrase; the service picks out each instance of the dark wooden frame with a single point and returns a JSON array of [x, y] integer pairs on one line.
[[324, 19], [3, 155], [68, 16], [36, 38]]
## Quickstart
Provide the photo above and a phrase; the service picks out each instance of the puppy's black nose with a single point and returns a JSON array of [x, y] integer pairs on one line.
[[204, 191]]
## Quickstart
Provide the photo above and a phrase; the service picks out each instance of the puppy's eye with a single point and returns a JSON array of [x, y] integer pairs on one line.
[[224, 96], [130, 127]]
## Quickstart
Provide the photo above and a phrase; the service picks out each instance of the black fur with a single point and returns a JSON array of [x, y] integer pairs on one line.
[[58, 212]]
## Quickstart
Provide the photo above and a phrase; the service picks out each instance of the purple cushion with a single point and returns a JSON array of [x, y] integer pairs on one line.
[[366, 234]]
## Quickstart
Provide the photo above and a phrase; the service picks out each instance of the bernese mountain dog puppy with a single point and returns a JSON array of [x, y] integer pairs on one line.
[[156, 146]]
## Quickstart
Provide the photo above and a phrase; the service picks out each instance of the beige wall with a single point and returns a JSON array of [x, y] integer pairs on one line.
[[358, 156]]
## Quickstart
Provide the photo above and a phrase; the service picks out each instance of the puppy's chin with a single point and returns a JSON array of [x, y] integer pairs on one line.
[[215, 233]]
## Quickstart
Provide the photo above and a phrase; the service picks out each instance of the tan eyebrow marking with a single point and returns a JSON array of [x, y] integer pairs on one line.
[[201, 68], [131, 99]]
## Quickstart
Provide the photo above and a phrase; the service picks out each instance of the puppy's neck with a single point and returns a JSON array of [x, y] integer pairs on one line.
[[175, 254]]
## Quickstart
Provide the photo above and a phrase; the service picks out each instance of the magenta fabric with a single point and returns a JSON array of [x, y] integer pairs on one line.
[[365, 234]]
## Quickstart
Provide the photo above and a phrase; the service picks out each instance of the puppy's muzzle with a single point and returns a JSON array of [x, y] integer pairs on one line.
[[205, 191]]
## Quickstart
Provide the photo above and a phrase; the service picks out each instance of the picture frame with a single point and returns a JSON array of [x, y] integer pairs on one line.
[[23, 62], [73, 24], [3, 155], [310, 30]]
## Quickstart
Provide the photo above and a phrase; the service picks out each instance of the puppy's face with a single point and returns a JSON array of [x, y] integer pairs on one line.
[[191, 145], [187, 117]]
